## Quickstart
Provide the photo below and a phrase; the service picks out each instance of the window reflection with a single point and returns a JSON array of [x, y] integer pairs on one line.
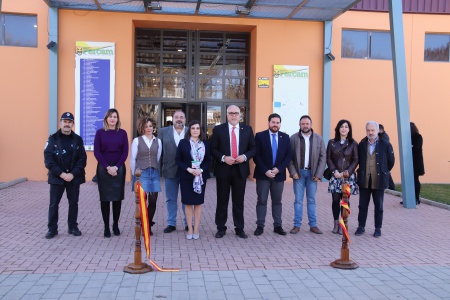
[[174, 87], [148, 111], [210, 88], [437, 47], [18, 30], [235, 88], [147, 86]]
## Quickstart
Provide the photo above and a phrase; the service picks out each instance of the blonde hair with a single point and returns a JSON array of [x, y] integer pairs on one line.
[[105, 122]]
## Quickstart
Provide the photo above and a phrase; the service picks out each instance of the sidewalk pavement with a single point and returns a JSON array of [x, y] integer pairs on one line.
[[410, 261]]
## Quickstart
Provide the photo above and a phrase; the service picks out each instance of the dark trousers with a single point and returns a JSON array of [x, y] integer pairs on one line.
[[263, 187], [364, 200], [236, 184], [417, 186], [56, 193]]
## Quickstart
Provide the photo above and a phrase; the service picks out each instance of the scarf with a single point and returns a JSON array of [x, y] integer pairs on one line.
[[198, 153]]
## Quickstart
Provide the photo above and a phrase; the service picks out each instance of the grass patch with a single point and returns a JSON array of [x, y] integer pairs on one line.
[[436, 192]]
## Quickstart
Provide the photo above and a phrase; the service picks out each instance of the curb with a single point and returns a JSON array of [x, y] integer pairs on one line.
[[4, 185], [422, 200]]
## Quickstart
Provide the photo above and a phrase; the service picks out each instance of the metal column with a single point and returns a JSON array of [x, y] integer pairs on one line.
[[326, 101], [53, 71], [401, 102]]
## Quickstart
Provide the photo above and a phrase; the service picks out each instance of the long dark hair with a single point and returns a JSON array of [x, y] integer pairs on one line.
[[337, 134], [202, 135], [414, 129]]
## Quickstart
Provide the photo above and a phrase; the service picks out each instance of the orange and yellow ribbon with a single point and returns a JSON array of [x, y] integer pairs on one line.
[[344, 205], [146, 229]]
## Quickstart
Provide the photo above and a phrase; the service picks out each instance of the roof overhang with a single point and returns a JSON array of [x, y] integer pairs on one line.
[[297, 10]]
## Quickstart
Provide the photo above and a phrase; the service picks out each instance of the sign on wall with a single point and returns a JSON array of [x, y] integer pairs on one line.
[[94, 87], [290, 95]]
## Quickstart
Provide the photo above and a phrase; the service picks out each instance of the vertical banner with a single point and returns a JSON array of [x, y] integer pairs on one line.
[[290, 95], [94, 87]]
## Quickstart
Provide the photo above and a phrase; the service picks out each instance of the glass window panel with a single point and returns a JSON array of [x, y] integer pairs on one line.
[[147, 86], [174, 87], [148, 111], [380, 45], [20, 30], [175, 41], [354, 44], [210, 65], [210, 88], [437, 47], [148, 63], [235, 65], [237, 43], [148, 40], [213, 118], [235, 88], [211, 42], [174, 64]]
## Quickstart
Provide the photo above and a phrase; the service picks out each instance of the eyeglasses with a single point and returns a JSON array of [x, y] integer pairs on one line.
[[233, 113]]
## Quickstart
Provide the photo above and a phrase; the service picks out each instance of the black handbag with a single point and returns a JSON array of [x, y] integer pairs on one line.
[[327, 174]]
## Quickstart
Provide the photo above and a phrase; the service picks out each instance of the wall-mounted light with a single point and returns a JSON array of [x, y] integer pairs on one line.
[[330, 56], [242, 10], [154, 5], [51, 44]]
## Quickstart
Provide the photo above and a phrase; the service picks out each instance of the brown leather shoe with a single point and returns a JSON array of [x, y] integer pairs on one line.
[[315, 230], [295, 230]]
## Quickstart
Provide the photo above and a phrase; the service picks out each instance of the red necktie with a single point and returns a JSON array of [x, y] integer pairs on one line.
[[233, 143]]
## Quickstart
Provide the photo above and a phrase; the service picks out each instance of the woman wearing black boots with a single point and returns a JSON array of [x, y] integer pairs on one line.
[[145, 155], [111, 151], [342, 156]]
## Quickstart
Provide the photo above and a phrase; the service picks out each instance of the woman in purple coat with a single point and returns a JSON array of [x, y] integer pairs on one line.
[[111, 151]]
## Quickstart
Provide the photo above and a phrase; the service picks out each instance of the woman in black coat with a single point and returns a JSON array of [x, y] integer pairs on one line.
[[419, 169], [193, 159]]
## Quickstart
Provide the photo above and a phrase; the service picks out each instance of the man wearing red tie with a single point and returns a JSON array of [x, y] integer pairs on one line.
[[232, 145], [270, 172]]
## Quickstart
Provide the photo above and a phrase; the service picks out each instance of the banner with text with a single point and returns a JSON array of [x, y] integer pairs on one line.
[[290, 95], [94, 87]]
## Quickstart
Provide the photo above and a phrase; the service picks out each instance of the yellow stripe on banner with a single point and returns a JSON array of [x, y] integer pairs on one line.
[[344, 229], [146, 229]]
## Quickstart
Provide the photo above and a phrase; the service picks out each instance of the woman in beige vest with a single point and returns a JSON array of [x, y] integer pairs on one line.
[[145, 155]]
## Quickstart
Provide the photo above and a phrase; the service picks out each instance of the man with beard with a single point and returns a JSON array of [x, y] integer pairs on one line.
[[65, 158], [270, 172], [232, 145], [170, 136], [376, 159], [306, 168]]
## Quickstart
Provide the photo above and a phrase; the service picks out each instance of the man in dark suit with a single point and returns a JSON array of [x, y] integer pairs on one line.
[[376, 160], [270, 172], [232, 145]]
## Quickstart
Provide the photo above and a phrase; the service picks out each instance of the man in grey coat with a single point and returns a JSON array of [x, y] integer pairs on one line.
[[306, 168], [170, 136]]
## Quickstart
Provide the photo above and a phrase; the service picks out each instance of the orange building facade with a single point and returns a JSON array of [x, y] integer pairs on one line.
[[361, 90]]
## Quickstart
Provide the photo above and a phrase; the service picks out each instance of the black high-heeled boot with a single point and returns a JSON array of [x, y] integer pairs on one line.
[[107, 233], [116, 229]]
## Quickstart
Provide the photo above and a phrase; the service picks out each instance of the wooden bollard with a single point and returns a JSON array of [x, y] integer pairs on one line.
[[345, 262], [138, 267]]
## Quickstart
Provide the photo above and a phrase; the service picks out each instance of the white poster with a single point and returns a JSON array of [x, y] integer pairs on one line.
[[94, 87], [290, 95]]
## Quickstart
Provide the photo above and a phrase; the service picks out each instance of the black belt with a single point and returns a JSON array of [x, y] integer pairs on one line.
[[306, 168]]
